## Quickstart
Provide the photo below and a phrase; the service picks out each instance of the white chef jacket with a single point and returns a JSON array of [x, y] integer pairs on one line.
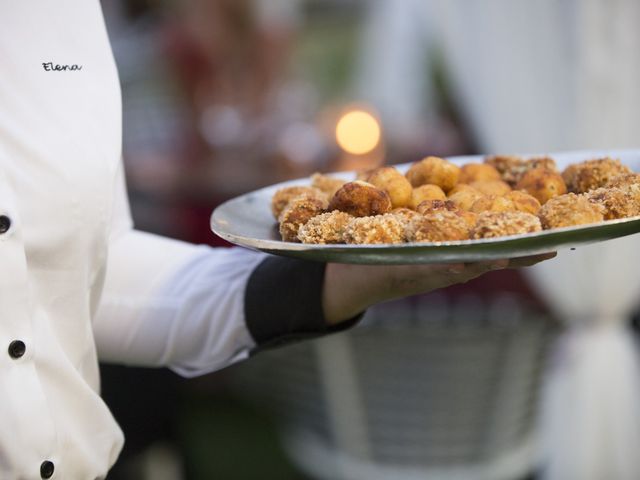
[[76, 279]]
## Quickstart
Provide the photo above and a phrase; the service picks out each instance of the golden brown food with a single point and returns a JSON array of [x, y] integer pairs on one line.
[[492, 203], [438, 226], [592, 174], [544, 162], [298, 212], [523, 202], [426, 192], [283, 196], [510, 167], [434, 170], [405, 213], [542, 183], [569, 209], [394, 183], [329, 185], [469, 217], [499, 224], [325, 228], [617, 202], [474, 172], [465, 198], [360, 199], [429, 206], [624, 180], [388, 228], [492, 187], [460, 187]]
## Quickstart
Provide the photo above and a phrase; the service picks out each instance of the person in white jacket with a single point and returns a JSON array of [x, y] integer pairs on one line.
[[78, 281]]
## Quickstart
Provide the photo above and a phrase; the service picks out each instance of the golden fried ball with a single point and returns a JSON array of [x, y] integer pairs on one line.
[[298, 212], [523, 202], [592, 174], [440, 226], [492, 187], [569, 209], [326, 228], [460, 187], [434, 170], [388, 228], [426, 192], [492, 203], [429, 206], [542, 184], [624, 180], [465, 198], [500, 224], [617, 202], [329, 185], [474, 172], [283, 196], [360, 199], [394, 183]]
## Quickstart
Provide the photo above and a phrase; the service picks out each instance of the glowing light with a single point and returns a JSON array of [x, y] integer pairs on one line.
[[358, 132]]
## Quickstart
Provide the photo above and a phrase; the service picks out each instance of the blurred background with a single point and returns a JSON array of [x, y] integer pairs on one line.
[[221, 97]]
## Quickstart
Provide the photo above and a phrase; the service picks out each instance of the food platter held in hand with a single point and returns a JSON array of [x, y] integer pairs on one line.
[[248, 221]]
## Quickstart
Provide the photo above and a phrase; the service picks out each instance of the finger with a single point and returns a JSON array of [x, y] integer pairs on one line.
[[530, 260]]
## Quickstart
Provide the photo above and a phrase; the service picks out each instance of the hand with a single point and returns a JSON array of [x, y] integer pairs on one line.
[[349, 289]]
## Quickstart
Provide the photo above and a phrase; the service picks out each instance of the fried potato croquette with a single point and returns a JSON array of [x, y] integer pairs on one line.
[[440, 226], [569, 209], [592, 174], [434, 170], [492, 203], [499, 224], [523, 202], [387, 228], [623, 180], [360, 199], [617, 202], [492, 187], [474, 172], [326, 228], [394, 183], [283, 196], [329, 185], [542, 183], [464, 198], [298, 212], [426, 192]]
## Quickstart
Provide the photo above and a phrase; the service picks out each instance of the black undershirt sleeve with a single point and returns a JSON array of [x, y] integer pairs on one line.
[[283, 303]]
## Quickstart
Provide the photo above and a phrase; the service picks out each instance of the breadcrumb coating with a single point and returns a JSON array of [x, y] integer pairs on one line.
[[623, 180], [406, 214], [493, 203], [569, 209], [617, 202], [510, 167], [592, 174], [284, 195], [298, 212], [387, 228], [439, 226], [523, 202], [429, 206], [325, 228], [499, 224]]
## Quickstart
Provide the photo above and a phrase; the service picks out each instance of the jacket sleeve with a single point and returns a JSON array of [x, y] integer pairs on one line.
[[197, 309]]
